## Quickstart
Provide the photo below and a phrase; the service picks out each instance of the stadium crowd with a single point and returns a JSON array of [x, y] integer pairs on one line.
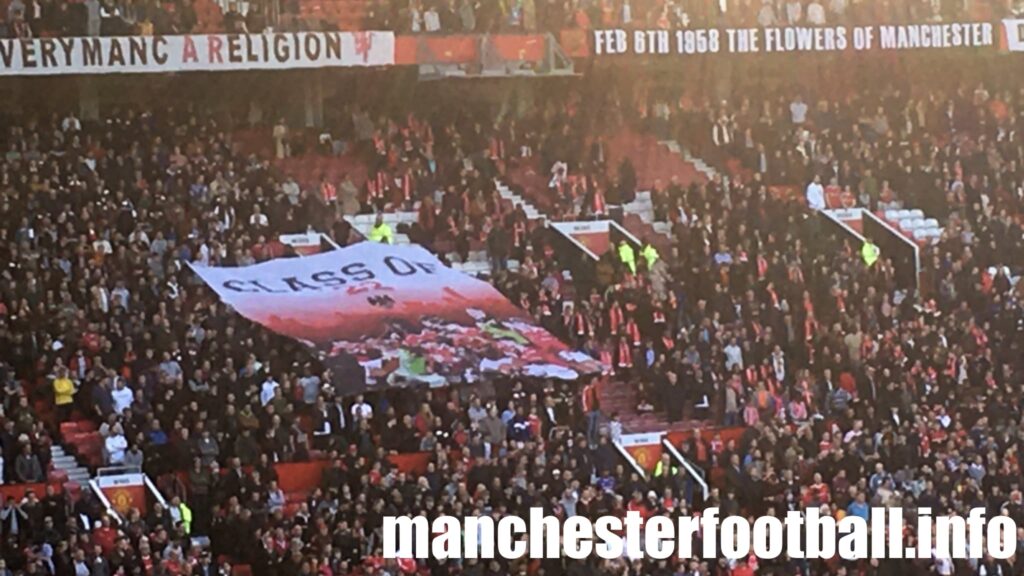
[[41, 18], [534, 15], [850, 389]]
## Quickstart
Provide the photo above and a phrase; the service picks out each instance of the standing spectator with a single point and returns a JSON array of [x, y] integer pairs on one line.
[[432, 20], [115, 445], [798, 111], [282, 147], [27, 468], [64, 390], [815, 13], [794, 12], [816, 194]]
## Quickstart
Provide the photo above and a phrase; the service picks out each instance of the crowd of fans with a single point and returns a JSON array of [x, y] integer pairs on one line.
[[26, 19], [34, 18], [851, 388], [417, 16]]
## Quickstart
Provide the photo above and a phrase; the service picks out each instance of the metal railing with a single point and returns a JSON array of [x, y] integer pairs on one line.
[[632, 461], [695, 472]]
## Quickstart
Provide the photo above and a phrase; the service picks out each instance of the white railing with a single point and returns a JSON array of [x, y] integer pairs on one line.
[[693, 471], [632, 461], [95, 487]]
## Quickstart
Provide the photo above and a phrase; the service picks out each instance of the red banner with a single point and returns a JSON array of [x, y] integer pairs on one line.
[[520, 48], [411, 50]]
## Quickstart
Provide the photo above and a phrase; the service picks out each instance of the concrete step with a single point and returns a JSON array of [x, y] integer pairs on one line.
[[393, 218], [64, 462], [672, 146], [505, 192], [473, 268], [473, 256]]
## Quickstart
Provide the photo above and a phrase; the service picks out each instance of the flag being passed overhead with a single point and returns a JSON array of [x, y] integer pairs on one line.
[[405, 316]]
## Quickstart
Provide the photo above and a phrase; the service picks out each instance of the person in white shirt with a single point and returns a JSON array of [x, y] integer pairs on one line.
[[291, 189], [766, 15], [815, 13], [115, 445], [794, 11], [71, 123], [258, 218], [267, 390], [837, 8], [432, 21], [816, 194], [798, 111], [733, 356], [361, 410], [122, 396]]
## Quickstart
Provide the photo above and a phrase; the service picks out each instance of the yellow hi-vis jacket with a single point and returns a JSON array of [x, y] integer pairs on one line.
[[186, 517], [650, 254], [659, 470], [627, 256], [382, 234], [870, 253]]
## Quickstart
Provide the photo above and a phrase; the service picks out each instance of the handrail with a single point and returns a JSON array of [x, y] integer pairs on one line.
[[632, 461], [329, 241], [586, 251], [94, 485], [846, 227], [902, 237], [629, 235], [690, 468], [112, 470], [153, 489]]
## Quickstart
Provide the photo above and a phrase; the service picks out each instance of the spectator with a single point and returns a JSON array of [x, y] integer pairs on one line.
[[27, 468]]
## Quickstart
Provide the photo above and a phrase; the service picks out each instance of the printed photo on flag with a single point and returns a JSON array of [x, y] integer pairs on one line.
[[400, 312]]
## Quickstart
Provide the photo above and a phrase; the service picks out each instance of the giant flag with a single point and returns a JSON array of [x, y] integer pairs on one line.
[[401, 313]]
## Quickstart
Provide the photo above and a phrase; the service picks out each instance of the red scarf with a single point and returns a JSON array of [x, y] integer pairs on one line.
[[633, 331], [329, 192], [518, 234], [625, 355], [598, 206], [497, 148], [407, 186], [615, 318], [581, 325]]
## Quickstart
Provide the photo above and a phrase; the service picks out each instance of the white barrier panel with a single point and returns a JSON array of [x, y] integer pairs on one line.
[[192, 53]]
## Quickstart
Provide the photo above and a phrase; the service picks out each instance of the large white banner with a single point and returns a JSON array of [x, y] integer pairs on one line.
[[193, 53], [789, 39], [400, 313], [1014, 30]]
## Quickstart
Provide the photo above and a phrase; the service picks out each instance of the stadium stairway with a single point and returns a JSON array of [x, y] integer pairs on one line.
[[638, 214], [616, 398], [654, 160], [67, 468], [477, 264]]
